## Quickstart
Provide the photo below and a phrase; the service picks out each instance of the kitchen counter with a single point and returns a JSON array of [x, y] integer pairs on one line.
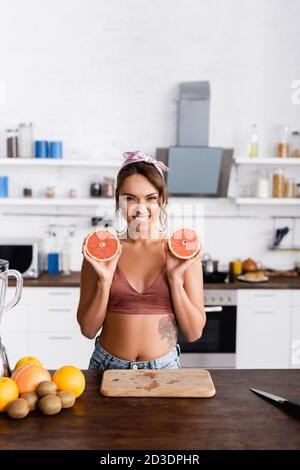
[[234, 419], [58, 280]]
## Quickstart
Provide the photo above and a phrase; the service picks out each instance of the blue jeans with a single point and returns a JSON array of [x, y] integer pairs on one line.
[[103, 360]]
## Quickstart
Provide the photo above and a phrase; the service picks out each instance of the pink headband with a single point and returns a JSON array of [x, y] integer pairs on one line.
[[133, 157]]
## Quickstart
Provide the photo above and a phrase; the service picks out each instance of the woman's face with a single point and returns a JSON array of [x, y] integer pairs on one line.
[[139, 203]]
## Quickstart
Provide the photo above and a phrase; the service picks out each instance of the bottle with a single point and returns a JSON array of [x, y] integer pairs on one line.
[[262, 184], [25, 140], [53, 257], [66, 257], [253, 143], [12, 143], [283, 145]]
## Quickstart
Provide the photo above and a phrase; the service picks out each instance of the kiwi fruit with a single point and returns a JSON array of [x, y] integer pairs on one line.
[[18, 408], [50, 404], [46, 388], [67, 398], [32, 399]]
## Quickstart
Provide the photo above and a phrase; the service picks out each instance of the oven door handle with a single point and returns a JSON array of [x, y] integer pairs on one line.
[[213, 309]]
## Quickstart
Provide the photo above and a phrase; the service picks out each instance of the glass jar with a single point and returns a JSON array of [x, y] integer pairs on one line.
[[12, 150], [27, 191], [95, 189], [278, 183], [25, 140], [262, 184], [283, 144], [108, 187], [295, 144], [50, 192], [72, 193], [289, 187], [237, 267]]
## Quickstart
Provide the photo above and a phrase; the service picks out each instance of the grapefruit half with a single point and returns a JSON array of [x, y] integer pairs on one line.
[[102, 244], [29, 376], [184, 243]]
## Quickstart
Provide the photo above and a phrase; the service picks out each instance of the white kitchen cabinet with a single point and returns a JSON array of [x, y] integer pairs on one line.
[[58, 348], [264, 297], [16, 345], [295, 338], [53, 317], [44, 324], [52, 295], [263, 329], [295, 330], [16, 319]]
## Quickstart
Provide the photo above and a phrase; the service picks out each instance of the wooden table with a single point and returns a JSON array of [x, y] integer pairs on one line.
[[234, 419]]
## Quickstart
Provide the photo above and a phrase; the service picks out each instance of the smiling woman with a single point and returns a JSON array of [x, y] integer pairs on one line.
[[144, 294]]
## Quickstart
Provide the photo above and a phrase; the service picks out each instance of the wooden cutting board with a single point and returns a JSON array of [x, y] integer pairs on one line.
[[157, 383]]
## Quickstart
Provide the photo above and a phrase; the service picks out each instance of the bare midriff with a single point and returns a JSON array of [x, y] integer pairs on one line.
[[138, 337]]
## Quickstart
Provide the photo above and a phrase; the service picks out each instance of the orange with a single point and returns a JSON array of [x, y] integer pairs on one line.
[[29, 376], [28, 360], [102, 244], [8, 392], [70, 378], [184, 243]]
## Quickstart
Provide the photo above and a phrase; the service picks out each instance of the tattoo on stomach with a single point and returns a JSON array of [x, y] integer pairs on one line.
[[168, 330]]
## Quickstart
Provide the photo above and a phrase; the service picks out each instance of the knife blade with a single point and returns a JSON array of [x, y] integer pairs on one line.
[[284, 403]]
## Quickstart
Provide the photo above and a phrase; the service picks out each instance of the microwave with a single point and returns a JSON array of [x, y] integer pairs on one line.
[[23, 254]]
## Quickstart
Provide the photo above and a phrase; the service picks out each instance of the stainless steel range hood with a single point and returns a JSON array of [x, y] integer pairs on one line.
[[193, 114]]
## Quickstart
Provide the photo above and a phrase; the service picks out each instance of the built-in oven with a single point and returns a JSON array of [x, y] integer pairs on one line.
[[217, 346]]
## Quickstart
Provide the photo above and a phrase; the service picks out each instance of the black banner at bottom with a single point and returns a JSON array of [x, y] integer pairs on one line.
[[139, 459]]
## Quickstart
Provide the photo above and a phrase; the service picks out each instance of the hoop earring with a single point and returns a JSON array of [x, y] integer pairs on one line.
[[163, 223], [116, 216]]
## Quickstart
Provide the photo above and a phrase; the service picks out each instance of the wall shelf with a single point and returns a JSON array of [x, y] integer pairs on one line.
[[56, 162], [268, 161], [76, 202], [287, 249], [268, 201]]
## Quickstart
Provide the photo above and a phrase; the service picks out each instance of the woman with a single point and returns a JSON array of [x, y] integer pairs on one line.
[[144, 294]]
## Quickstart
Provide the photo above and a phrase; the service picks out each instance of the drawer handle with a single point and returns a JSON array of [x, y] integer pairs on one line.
[[263, 295], [59, 293], [259, 312], [59, 310], [60, 337]]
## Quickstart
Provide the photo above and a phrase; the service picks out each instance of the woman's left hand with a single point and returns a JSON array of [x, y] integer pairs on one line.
[[176, 266]]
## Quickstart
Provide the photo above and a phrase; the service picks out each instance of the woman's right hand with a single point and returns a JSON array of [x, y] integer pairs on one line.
[[104, 269]]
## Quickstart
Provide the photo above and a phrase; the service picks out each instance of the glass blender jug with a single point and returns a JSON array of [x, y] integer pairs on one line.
[[5, 273]]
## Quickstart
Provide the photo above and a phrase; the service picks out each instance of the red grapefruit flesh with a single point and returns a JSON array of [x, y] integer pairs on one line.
[[184, 243], [102, 244]]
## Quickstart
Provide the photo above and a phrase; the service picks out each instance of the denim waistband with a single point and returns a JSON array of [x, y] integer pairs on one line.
[[174, 352]]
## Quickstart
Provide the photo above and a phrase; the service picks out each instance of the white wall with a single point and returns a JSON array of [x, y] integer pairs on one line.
[[103, 76]]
